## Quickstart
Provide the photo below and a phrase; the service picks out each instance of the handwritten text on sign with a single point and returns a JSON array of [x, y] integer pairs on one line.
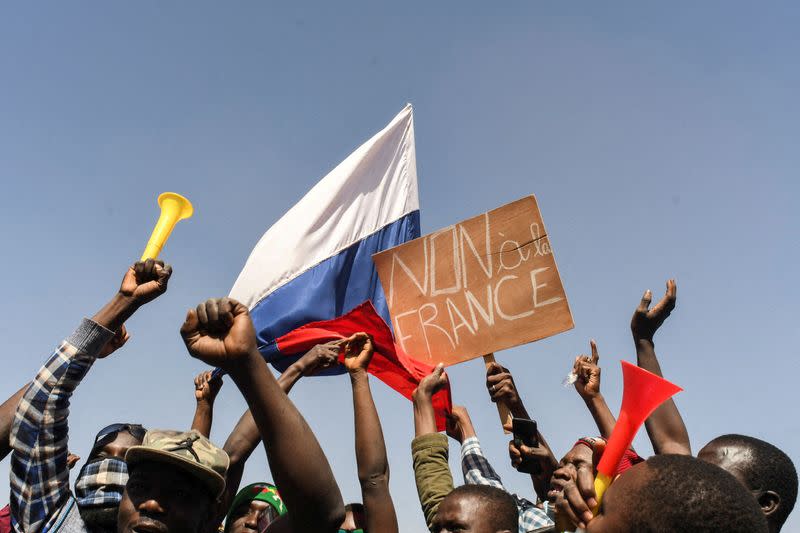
[[479, 286]]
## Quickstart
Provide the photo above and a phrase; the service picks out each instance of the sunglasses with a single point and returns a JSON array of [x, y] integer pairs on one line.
[[109, 433]]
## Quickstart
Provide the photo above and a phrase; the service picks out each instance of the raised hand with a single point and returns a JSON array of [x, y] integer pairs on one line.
[[72, 460], [145, 281], [501, 387], [358, 350], [117, 341], [205, 388], [220, 333], [665, 426], [588, 382], [422, 399], [142, 283], [319, 358], [431, 384], [523, 455], [459, 424], [646, 321]]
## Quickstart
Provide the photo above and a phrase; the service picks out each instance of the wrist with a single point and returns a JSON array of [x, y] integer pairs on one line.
[[643, 342], [205, 403], [245, 367], [419, 397], [592, 398], [517, 409], [118, 309], [358, 374], [302, 367], [121, 296]]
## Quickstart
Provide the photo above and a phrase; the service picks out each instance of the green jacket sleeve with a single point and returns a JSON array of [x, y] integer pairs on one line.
[[431, 472]]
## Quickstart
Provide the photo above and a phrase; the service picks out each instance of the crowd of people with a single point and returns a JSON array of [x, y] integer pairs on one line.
[[136, 480]]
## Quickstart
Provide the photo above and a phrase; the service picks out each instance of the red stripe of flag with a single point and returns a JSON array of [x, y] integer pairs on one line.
[[389, 363]]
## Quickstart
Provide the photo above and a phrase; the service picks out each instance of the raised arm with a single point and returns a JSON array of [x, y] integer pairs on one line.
[[474, 466], [588, 387], [501, 386], [373, 465], [665, 426], [205, 392], [220, 333], [318, 358], [429, 451], [7, 411], [245, 436], [39, 437]]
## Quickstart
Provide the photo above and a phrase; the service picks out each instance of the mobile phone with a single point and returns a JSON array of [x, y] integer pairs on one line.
[[526, 432]]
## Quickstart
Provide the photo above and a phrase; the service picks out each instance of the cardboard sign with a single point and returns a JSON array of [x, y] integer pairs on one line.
[[482, 285]]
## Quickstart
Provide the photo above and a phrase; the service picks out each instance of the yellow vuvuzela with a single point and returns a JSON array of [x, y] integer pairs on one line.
[[174, 208]]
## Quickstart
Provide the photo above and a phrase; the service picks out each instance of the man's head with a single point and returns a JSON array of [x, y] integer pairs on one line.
[[254, 508], [677, 493], [101, 481], [354, 518], [763, 469], [175, 481], [476, 509]]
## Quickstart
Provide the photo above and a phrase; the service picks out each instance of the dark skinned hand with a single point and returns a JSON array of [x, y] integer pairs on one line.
[[219, 332], [501, 386], [205, 388], [431, 384], [320, 357], [117, 341], [72, 460], [539, 454], [646, 321], [459, 424], [145, 281], [358, 351], [588, 382]]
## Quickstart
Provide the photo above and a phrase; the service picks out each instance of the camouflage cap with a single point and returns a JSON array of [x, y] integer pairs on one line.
[[188, 451]]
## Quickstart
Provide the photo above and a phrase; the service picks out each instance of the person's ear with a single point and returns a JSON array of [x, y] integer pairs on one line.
[[769, 502]]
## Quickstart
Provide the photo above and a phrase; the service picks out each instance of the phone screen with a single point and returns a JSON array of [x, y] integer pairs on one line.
[[525, 432]]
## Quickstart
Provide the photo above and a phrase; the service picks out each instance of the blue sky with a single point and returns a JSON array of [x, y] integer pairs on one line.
[[660, 141]]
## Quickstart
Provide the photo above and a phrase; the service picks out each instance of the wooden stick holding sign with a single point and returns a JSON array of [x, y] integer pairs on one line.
[[502, 408], [482, 285]]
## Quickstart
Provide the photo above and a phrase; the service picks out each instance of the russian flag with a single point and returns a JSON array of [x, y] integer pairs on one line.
[[389, 363], [315, 263]]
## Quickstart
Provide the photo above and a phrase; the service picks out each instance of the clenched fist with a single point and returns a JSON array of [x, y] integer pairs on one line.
[[220, 333]]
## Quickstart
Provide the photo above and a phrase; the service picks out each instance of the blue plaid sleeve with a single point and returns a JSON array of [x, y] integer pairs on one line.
[[478, 471], [475, 466], [39, 473]]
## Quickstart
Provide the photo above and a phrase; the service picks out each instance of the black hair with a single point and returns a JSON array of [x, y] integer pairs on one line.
[[354, 508], [769, 469], [359, 514], [500, 506], [686, 494]]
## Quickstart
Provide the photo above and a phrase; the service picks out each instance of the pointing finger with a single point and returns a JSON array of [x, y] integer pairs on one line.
[[644, 304]]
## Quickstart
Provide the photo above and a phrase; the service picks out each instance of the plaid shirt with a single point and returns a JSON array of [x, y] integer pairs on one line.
[[478, 471], [39, 473]]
